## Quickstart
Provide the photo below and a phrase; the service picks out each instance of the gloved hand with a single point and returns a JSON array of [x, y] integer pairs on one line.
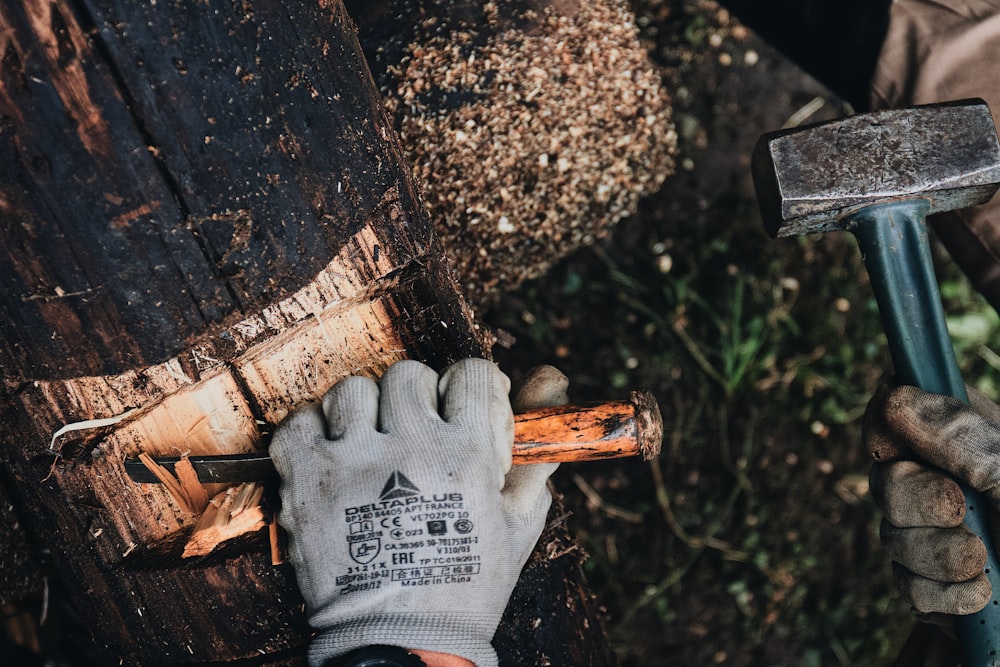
[[407, 524], [937, 561]]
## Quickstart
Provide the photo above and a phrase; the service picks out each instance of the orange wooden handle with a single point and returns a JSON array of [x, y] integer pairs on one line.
[[589, 432]]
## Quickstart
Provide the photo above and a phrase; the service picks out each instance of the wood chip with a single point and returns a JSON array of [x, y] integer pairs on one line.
[[185, 488], [530, 135], [234, 512], [277, 550], [196, 494]]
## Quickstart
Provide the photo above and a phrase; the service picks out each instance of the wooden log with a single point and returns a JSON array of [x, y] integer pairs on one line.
[[207, 223]]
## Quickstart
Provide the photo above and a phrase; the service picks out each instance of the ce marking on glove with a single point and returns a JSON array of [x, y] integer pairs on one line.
[[391, 522]]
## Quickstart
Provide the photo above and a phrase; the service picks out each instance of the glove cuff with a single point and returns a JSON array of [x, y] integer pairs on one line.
[[468, 637]]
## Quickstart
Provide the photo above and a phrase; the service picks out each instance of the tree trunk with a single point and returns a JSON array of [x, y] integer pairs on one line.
[[206, 223]]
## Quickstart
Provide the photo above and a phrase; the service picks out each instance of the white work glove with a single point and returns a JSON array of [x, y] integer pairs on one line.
[[407, 524], [938, 562]]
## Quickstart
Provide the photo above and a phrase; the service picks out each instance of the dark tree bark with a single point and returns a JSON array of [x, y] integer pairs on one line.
[[206, 222]]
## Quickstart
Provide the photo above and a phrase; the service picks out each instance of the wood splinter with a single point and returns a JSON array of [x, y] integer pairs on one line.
[[229, 514], [182, 483]]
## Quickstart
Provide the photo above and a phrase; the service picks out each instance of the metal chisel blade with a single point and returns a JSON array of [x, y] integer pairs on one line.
[[224, 468]]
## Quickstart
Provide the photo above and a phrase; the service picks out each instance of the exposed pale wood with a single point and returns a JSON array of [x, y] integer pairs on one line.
[[182, 483], [234, 512], [197, 495], [289, 354]]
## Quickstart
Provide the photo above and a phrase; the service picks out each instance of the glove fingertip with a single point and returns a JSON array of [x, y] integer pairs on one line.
[[979, 592], [299, 423], [875, 433], [469, 383], [541, 387], [983, 404], [353, 400], [912, 495], [947, 433], [474, 393], [526, 487], [294, 437]]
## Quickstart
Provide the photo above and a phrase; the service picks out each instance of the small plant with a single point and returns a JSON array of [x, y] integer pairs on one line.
[[974, 327]]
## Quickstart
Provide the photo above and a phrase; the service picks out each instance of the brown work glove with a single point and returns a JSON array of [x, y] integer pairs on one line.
[[937, 561]]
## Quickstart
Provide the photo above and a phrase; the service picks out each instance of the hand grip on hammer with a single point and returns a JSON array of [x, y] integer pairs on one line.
[[560, 434], [878, 176]]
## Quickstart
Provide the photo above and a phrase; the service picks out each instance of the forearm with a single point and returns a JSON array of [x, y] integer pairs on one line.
[[433, 659]]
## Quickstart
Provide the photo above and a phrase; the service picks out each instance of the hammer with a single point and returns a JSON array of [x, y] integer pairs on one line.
[[878, 176]]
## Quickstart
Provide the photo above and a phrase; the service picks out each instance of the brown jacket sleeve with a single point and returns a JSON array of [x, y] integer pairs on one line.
[[936, 51]]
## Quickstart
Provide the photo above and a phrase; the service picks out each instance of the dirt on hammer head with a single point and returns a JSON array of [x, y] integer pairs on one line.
[[814, 178]]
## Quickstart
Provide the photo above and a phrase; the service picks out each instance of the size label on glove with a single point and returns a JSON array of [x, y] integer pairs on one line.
[[409, 538]]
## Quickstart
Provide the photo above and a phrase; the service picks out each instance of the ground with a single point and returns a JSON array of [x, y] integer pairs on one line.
[[752, 540]]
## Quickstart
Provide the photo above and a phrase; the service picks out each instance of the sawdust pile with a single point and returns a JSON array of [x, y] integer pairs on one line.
[[531, 133]]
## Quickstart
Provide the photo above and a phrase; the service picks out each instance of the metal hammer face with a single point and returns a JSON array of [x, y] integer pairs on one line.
[[814, 178]]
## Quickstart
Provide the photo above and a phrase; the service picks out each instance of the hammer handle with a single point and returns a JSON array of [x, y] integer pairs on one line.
[[893, 240]]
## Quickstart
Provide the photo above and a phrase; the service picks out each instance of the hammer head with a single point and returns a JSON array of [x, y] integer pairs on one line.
[[813, 178]]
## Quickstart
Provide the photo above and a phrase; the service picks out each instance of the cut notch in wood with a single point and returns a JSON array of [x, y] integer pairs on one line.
[[231, 513]]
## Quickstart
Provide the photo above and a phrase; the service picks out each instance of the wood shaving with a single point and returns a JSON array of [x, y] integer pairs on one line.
[[232, 513]]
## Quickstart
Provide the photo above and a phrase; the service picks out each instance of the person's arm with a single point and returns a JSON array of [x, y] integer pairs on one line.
[[432, 659], [394, 656], [936, 51]]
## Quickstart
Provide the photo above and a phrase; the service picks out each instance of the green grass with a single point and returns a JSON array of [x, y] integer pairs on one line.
[[974, 327]]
